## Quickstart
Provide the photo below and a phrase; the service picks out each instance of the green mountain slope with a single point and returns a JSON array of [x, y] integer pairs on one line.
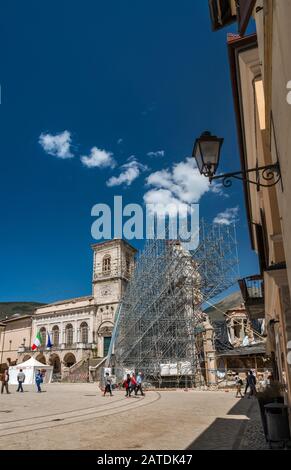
[[7, 309], [231, 301]]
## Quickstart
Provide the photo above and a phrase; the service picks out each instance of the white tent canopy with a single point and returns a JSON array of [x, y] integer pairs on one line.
[[30, 368]]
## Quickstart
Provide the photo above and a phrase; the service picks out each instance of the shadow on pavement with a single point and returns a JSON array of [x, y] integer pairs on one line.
[[225, 433]]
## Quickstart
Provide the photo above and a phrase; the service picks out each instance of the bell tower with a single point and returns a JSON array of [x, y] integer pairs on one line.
[[113, 263]]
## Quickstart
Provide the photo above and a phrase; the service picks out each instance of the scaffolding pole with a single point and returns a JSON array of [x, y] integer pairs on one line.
[[161, 312]]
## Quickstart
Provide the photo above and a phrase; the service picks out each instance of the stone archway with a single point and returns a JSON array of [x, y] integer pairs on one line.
[[69, 360], [55, 361], [26, 357], [40, 358]]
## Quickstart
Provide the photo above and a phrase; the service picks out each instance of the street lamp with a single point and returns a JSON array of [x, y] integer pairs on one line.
[[206, 152]]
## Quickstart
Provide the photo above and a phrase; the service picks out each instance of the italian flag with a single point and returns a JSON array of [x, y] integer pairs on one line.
[[37, 342]]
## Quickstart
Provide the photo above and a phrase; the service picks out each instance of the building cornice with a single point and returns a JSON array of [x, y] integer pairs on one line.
[[114, 242], [21, 317], [67, 301], [67, 312]]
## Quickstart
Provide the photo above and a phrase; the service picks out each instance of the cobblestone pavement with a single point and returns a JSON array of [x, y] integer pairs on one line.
[[77, 416], [253, 435]]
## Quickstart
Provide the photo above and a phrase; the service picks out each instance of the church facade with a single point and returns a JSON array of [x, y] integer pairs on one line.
[[80, 328]]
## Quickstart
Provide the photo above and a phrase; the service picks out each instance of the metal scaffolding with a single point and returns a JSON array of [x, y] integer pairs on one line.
[[159, 319]]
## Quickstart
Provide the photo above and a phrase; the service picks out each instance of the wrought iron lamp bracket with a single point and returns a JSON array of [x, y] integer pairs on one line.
[[270, 174]]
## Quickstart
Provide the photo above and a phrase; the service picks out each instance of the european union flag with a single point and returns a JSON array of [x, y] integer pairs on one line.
[[49, 343]]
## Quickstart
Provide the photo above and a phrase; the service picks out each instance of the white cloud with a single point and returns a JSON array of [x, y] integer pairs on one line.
[[57, 145], [158, 153], [160, 179], [163, 201], [228, 217], [176, 187], [129, 172], [120, 141], [183, 181], [98, 158]]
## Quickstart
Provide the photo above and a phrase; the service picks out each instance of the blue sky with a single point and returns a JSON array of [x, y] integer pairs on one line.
[[150, 73]]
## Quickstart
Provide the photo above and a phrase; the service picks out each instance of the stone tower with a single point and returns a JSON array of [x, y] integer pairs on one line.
[[113, 263]]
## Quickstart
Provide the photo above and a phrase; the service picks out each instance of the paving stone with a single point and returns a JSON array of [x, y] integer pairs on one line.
[[77, 416]]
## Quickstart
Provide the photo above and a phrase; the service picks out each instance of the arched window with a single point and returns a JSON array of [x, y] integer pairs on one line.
[[84, 332], [42, 333], [106, 264], [40, 358], [55, 361], [69, 334], [55, 335]]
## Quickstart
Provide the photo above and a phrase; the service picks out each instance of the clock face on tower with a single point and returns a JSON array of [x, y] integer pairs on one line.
[[106, 290]]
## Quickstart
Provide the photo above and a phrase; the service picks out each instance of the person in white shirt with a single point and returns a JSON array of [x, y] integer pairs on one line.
[[20, 380], [139, 380]]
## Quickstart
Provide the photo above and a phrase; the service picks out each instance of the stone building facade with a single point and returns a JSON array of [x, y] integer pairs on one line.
[[232, 345], [80, 328], [260, 70], [15, 332]]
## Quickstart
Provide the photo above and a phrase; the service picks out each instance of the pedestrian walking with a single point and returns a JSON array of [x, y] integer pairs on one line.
[[139, 380], [126, 385], [20, 380], [133, 383], [247, 383], [5, 380], [238, 384], [108, 384], [251, 384], [38, 380]]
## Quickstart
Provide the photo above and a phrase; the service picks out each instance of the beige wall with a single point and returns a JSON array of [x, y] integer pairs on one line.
[[281, 135], [12, 338], [267, 134], [274, 40], [265, 199], [273, 29]]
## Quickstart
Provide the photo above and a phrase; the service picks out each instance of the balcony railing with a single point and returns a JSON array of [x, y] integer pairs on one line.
[[252, 290], [59, 347]]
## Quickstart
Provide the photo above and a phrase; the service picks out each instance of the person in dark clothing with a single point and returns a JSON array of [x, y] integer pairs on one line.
[[247, 385], [108, 384], [133, 383], [38, 380], [127, 386], [5, 380], [251, 384]]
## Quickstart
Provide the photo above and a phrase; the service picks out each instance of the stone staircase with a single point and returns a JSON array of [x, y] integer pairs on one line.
[[78, 372], [96, 366], [82, 371]]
